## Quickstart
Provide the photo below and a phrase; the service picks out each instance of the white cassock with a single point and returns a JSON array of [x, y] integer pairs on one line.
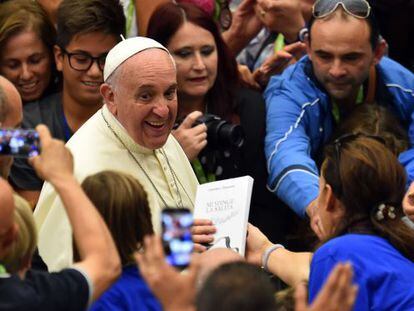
[[95, 148]]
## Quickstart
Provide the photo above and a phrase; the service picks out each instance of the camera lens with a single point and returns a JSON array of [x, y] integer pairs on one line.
[[231, 135]]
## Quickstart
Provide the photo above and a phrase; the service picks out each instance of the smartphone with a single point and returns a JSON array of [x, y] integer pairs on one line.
[[21, 143], [176, 236]]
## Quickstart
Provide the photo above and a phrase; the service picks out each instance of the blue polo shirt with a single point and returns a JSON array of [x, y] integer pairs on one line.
[[384, 276], [129, 293]]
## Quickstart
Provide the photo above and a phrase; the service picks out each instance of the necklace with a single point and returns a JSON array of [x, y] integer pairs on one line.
[[173, 174], [176, 177]]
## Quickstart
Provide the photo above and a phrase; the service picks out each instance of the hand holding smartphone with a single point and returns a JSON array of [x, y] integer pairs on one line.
[[21, 143], [176, 236]]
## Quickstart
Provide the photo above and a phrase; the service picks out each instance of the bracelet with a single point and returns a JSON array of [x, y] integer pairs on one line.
[[266, 254]]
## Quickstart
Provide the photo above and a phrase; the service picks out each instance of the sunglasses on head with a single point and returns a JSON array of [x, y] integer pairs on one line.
[[355, 8], [347, 138]]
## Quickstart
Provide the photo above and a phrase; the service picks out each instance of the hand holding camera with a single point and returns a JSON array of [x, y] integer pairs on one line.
[[192, 138], [217, 134]]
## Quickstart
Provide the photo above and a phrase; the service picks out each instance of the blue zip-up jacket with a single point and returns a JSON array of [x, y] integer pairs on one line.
[[299, 122]]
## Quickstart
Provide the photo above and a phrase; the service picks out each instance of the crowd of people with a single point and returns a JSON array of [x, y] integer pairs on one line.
[[128, 99]]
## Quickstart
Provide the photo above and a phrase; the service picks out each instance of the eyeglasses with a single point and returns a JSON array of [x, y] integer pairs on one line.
[[340, 142], [81, 61], [355, 8]]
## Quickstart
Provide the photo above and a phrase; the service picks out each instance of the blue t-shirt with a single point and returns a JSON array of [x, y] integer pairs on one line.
[[129, 293], [384, 276]]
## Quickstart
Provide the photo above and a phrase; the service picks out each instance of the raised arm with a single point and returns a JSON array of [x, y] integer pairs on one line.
[[292, 268], [293, 174], [99, 258], [244, 27]]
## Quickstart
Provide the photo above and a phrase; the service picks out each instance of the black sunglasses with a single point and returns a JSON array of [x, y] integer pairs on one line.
[[355, 8]]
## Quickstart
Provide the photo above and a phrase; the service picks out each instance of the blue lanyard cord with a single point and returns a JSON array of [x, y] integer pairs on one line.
[[66, 129]]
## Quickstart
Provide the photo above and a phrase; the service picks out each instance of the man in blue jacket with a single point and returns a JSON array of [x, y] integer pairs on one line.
[[344, 67]]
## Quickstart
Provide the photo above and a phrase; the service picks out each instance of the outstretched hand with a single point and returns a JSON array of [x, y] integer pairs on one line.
[[281, 16], [247, 78], [244, 27], [276, 63], [315, 221], [203, 233], [256, 245]]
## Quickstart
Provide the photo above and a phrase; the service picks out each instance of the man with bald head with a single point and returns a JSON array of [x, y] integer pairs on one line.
[[8, 228], [344, 67], [131, 134], [11, 115]]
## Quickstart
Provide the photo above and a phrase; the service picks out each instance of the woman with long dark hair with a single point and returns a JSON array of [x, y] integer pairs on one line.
[[361, 189]]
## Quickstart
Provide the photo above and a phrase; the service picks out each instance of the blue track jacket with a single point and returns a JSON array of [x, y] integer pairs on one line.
[[299, 122]]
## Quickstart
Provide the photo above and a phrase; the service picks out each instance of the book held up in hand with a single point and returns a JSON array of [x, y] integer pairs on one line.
[[227, 204]]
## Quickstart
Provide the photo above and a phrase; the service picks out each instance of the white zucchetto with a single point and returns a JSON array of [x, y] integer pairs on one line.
[[126, 49]]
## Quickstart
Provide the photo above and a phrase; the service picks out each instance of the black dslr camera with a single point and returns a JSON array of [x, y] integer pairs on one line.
[[220, 133]]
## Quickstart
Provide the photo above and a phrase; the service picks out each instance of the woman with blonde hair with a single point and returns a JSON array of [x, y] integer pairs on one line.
[[19, 257]]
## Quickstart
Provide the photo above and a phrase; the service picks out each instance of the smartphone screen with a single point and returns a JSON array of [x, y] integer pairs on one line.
[[19, 142], [176, 236]]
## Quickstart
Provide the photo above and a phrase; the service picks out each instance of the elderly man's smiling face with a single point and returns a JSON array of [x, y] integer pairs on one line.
[[144, 97]]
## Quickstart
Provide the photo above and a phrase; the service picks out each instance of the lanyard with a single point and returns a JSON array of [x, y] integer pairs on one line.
[[130, 16], [201, 176], [66, 129], [279, 43], [3, 272], [335, 108]]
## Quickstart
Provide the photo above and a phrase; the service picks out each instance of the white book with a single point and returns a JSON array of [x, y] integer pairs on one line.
[[227, 204]]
